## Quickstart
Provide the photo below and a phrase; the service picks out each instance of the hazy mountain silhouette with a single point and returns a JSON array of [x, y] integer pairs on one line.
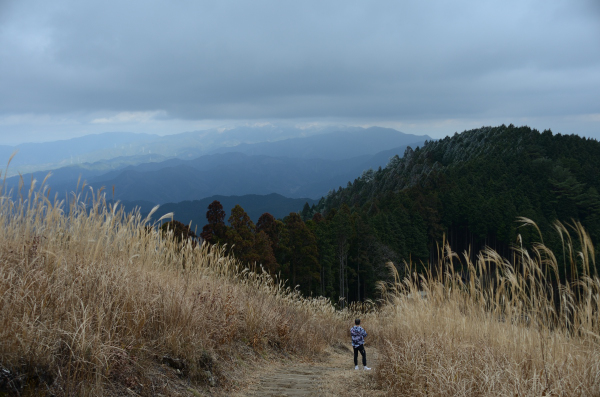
[[295, 167], [176, 180], [336, 142], [65, 152], [236, 174], [352, 142], [97, 147], [229, 174]]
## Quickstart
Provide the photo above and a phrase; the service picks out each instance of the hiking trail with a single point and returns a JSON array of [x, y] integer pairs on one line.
[[333, 376]]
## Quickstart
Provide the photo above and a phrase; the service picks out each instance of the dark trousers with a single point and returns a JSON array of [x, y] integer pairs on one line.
[[360, 349]]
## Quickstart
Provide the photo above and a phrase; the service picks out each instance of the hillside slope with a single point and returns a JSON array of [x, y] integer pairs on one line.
[[482, 179], [470, 189], [96, 304]]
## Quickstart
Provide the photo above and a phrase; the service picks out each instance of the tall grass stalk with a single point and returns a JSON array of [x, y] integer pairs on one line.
[[94, 302], [494, 326]]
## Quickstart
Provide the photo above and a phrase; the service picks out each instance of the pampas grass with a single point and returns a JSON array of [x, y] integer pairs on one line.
[[495, 327], [94, 302]]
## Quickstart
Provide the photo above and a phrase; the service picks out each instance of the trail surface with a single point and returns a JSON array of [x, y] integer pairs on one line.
[[333, 376]]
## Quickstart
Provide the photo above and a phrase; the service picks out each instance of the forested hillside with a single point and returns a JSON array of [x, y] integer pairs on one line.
[[469, 188]]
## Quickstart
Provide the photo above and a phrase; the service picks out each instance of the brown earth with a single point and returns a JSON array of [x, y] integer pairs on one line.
[[333, 375]]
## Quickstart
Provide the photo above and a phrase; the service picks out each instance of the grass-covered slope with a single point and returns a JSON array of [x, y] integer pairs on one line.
[[495, 329], [94, 303]]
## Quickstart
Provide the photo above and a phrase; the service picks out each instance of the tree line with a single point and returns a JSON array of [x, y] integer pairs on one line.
[[470, 188], [327, 256], [467, 189]]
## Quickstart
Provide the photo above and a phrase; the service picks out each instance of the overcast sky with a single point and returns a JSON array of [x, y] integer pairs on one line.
[[69, 68]]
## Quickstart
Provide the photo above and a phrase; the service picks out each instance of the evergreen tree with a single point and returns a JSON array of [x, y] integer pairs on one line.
[[264, 252], [240, 235], [302, 254], [180, 231], [306, 212], [268, 224], [214, 231]]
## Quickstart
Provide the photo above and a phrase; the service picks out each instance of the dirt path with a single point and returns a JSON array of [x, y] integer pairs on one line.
[[333, 376]]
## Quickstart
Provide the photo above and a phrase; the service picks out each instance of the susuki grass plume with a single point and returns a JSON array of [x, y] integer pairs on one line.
[[494, 326], [93, 302]]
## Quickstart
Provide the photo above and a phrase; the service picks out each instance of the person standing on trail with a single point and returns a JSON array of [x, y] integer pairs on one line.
[[358, 340]]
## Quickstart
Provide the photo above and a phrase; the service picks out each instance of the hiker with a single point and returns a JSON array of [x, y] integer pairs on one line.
[[358, 340]]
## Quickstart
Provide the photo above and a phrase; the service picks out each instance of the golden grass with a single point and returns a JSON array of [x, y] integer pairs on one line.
[[94, 303], [501, 332]]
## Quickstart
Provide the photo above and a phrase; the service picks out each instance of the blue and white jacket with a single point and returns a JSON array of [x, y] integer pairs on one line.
[[358, 335]]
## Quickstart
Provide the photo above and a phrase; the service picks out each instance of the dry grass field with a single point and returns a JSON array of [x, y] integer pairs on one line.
[[92, 302], [497, 329]]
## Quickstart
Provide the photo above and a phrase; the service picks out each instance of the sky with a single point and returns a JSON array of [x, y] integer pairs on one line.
[[70, 68]]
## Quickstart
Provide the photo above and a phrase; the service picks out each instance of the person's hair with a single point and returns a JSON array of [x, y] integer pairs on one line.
[[357, 321]]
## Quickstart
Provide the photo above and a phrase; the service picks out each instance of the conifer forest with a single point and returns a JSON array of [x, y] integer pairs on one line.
[[467, 190]]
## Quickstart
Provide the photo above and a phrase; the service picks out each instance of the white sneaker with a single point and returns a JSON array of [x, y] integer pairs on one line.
[[356, 367], [365, 368]]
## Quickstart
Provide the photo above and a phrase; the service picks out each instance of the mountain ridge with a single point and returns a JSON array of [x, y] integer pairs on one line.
[[336, 145], [231, 173], [186, 145]]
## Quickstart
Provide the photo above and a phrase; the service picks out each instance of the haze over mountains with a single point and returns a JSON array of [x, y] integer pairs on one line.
[[55, 154], [140, 148], [334, 145], [289, 162]]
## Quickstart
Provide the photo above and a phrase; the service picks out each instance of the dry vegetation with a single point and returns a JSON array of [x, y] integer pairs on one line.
[[94, 303], [496, 329]]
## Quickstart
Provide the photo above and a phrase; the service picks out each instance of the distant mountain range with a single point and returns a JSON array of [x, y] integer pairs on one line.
[[224, 174], [291, 162], [337, 145], [133, 149], [50, 155], [107, 146]]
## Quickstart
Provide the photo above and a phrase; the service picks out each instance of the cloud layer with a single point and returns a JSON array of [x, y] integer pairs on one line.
[[127, 62]]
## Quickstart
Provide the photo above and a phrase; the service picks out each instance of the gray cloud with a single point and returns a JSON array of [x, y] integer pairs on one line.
[[232, 60]]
